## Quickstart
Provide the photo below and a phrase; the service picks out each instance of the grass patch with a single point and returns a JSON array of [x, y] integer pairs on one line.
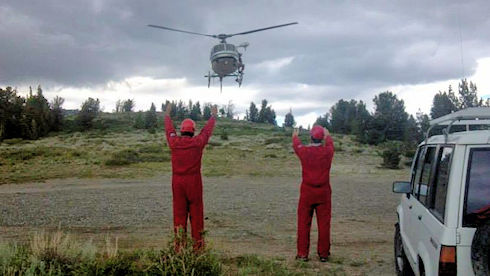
[[146, 153], [255, 265], [58, 254], [15, 154]]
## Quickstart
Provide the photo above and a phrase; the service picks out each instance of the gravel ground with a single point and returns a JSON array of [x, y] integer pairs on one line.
[[243, 214]]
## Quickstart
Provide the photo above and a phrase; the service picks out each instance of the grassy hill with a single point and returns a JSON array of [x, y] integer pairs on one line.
[[114, 149], [119, 186]]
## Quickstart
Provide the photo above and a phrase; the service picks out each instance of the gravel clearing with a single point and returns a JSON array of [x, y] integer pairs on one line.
[[243, 214]]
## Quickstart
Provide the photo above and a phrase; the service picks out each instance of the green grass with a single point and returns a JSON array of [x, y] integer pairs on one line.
[[58, 253], [115, 149]]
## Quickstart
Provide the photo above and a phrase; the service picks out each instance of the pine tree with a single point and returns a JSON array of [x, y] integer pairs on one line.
[[128, 105], [323, 120], [11, 114], [196, 112], [343, 116], [468, 95], [89, 111], [390, 116], [289, 119], [263, 112], [37, 109], [57, 113], [207, 111], [253, 113], [151, 117], [443, 103]]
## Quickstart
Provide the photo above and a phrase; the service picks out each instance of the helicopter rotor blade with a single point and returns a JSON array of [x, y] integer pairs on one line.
[[263, 29], [176, 30]]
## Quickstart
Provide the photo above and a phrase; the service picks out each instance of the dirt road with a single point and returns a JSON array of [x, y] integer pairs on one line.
[[243, 215]]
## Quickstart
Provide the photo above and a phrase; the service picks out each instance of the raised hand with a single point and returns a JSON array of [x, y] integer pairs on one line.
[[326, 132], [295, 132], [168, 109]]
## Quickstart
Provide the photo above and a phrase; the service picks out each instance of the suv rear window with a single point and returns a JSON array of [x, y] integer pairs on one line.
[[477, 184]]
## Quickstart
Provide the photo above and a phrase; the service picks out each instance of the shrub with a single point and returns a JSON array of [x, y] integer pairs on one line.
[[90, 110], [146, 153], [57, 254], [123, 157], [391, 154], [273, 140], [224, 135], [14, 141], [215, 143]]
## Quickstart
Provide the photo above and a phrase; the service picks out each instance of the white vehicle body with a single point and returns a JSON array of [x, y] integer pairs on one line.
[[433, 214]]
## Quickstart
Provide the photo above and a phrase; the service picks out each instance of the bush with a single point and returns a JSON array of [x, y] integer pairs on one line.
[[274, 140], [224, 135], [123, 157], [391, 153], [146, 153], [90, 110], [57, 254]]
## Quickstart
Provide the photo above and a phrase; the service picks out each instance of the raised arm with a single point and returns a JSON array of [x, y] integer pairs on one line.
[[169, 125], [207, 130], [328, 141], [296, 142]]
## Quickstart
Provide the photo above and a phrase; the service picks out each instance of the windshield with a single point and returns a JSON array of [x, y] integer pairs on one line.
[[478, 185]]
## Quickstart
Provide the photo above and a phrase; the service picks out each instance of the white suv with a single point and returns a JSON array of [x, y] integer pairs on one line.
[[443, 219]]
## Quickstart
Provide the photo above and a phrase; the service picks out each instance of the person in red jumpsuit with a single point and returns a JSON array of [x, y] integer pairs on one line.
[[187, 152], [315, 193]]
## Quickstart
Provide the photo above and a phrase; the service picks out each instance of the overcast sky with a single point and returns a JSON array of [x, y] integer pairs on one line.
[[339, 49]]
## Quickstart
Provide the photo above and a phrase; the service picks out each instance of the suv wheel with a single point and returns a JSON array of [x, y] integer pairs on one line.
[[480, 250], [402, 266]]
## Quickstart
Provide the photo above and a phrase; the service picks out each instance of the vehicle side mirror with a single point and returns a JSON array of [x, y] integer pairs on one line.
[[401, 187]]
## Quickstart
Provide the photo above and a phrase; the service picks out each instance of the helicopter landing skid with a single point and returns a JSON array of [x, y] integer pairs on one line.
[[239, 77]]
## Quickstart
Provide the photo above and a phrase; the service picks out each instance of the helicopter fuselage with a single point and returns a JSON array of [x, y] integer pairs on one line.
[[225, 59]]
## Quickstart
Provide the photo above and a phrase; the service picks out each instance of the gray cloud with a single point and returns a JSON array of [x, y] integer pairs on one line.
[[338, 47]]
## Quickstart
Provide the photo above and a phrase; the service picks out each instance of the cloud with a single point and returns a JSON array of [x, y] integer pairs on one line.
[[342, 49]]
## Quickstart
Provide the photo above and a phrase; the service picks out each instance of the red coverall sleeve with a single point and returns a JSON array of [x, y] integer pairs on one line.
[[329, 144], [206, 131], [169, 130], [297, 145]]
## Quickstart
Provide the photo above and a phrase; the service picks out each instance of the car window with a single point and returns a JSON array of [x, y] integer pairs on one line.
[[417, 169], [426, 168], [477, 198], [438, 191]]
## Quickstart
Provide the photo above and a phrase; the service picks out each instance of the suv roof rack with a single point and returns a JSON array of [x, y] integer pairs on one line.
[[468, 116]]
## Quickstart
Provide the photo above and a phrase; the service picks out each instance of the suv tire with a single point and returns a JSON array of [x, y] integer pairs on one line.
[[480, 250], [402, 266]]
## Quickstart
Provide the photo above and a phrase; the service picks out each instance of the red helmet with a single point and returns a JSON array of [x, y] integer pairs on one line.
[[187, 125], [317, 132]]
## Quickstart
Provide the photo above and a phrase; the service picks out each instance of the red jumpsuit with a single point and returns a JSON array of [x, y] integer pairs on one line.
[[315, 195], [186, 178]]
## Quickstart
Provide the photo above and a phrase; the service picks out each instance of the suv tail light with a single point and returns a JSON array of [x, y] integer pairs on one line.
[[447, 261]]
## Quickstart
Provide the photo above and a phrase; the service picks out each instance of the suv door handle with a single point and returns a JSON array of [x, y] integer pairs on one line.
[[420, 217]]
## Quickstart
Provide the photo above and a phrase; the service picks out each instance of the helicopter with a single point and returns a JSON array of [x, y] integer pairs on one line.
[[226, 60]]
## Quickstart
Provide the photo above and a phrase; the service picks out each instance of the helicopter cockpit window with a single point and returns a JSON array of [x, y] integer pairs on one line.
[[218, 48], [230, 47]]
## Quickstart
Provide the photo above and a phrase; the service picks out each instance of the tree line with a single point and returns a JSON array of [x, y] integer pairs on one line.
[[28, 117], [33, 116], [390, 121]]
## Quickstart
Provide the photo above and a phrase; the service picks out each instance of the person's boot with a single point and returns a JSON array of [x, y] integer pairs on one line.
[[302, 258], [324, 259]]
